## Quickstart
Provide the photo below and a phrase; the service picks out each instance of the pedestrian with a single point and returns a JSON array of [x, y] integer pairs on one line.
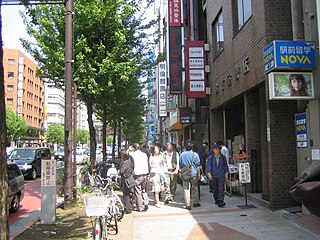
[[128, 184], [141, 171], [218, 173], [189, 158], [224, 150], [156, 162], [172, 161], [204, 154]]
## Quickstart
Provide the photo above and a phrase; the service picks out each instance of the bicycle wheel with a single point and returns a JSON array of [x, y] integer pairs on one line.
[[97, 230], [119, 210]]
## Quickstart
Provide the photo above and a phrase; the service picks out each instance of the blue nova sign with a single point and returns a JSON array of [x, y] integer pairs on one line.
[[289, 55]]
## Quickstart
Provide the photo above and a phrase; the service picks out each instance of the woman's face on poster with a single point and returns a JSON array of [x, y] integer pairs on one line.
[[296, 83]]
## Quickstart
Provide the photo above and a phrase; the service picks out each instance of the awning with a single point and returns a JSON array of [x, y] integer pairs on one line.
[[175, 127]]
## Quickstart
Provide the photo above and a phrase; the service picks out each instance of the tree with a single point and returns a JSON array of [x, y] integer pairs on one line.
[[83, 136], [16, 125], [55, 133], [4, 226]]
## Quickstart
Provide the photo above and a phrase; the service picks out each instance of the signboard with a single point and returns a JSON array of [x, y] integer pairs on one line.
[[175, 47], [162, 91], [174, 13], [171, 103], [244, 172], [289, 55], [48, 173], [195, 69], [301, 130], [291, 85], [185, 115]]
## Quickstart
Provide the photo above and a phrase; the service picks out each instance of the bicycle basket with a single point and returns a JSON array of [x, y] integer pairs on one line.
[[97, 205]]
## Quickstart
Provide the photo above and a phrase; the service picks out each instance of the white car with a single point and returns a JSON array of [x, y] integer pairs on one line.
[[81, 157]]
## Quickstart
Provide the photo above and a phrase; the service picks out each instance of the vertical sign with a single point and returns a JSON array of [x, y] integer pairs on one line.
[[244, 172], [175, 47], [162, 89], [301, 130], [48, 175], [171, 104], [195, 70]]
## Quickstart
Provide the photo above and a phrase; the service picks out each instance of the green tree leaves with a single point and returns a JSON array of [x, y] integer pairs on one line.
[[16, 125], [55, 133], [83, 136]]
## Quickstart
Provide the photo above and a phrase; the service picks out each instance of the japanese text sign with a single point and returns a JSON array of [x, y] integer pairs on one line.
[[289, 55], [301, 130]]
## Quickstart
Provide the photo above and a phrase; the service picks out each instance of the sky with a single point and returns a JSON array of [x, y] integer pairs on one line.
[[13, 27]]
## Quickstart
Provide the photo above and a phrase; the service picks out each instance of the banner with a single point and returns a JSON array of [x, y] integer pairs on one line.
[[301, 130], [195, 69], [171, 103], [162, 89], [175, 47], [290, 85]]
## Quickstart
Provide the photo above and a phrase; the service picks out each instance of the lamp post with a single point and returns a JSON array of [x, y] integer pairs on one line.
[[68, 105]]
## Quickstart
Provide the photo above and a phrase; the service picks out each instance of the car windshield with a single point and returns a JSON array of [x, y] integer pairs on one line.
[[17, 154], [79, 153]]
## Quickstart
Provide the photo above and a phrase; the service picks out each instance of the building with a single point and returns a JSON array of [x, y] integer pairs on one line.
[[24, 91], [54, 102]]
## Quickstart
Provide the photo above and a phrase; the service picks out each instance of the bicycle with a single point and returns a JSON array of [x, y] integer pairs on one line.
[[98, 205], [116, 211]]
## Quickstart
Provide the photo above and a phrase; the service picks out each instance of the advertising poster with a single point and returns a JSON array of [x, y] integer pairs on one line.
[[301, 130], [291, 85]]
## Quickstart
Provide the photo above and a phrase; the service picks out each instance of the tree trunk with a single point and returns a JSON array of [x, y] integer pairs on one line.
[[114, 139], [104, 138], [4, 226], [92, 132], [119, 137]]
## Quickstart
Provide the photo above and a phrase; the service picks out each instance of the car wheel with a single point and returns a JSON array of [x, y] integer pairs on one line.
[[34, 174], [15, 204]]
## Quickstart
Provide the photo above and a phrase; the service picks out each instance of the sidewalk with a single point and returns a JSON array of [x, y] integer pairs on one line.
[[210, 222]]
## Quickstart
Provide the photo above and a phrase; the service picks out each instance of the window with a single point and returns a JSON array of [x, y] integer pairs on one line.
[[10, 74], [10, 101], [218, 36], [243, 12], [10, 88], [11, 62]]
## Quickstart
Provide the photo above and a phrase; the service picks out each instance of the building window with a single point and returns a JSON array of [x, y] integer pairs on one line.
[[10, 74], [218, 36], [243, 12], [10, 101], [10, 88], [11, 62]]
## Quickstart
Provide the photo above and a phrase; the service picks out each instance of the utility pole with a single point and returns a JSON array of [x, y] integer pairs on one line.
[[75, 111], [68, 105]]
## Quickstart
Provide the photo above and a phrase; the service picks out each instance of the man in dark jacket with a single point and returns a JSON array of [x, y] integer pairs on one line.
[[218, 172], [126, 172]]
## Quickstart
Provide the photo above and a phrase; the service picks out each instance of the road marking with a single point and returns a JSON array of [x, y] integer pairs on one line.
[[208, 226]]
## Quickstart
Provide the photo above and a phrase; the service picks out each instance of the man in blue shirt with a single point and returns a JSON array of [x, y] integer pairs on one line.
[[218, 172], [191, 158]]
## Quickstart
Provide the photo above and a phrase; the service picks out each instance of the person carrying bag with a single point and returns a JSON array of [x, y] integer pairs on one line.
[[190, 173]]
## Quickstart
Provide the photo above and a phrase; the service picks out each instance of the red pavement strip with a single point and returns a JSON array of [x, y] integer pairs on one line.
[[312, 223], [216, 231], [30, 202]]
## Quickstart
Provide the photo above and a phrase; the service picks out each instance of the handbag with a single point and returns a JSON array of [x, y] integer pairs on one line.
[[186, 172], [130, 182]]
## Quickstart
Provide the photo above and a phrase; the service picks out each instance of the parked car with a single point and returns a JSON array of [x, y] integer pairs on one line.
[[29, 160], [16, 186], [81, 157], [59, 155]]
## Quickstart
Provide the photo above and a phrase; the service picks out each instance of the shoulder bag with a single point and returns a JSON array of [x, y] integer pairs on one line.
[[186, 172]]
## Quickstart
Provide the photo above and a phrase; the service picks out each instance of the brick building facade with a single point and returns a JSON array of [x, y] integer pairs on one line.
[[24, 90], [241, 112]]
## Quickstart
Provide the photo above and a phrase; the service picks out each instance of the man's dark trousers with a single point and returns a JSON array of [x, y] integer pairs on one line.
[[218, 189]]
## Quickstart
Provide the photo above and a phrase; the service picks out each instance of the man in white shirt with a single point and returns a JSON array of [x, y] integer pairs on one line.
[[172, 160], [224, 150], [141, 171]]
